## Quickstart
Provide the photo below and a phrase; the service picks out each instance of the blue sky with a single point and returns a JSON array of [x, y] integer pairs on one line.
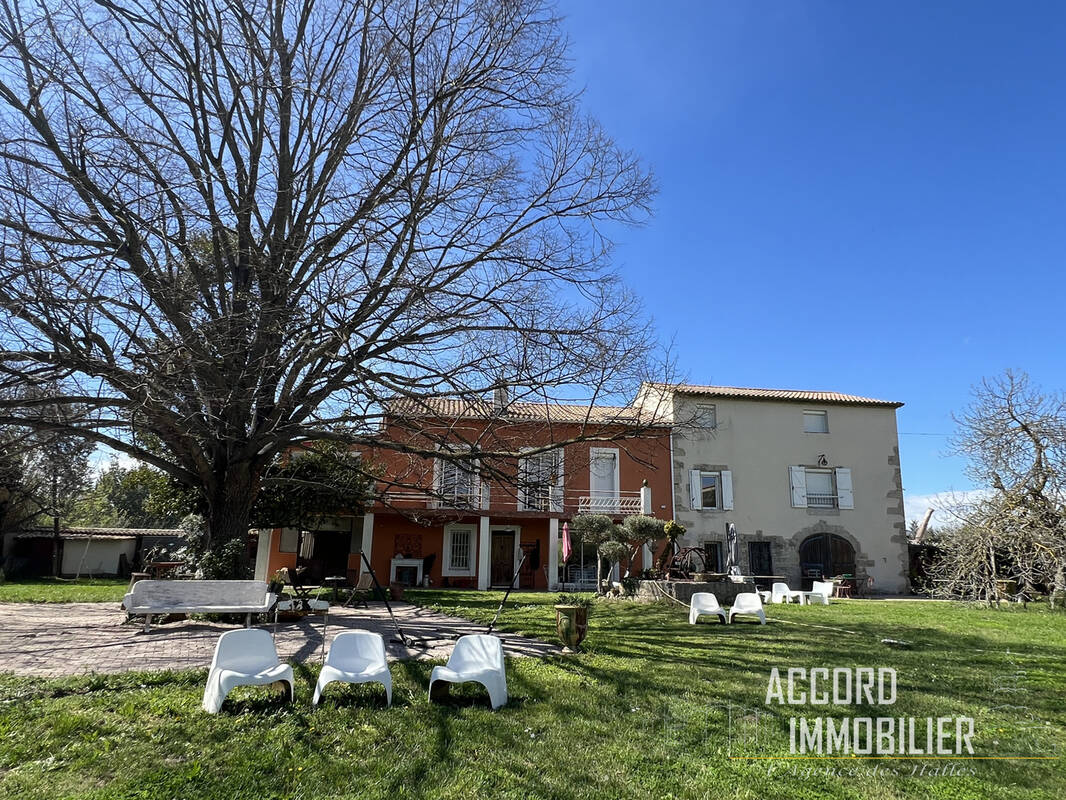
[[861, 197]]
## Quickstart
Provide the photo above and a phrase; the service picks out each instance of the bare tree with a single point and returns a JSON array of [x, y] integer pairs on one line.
[[1014, 435], [237, 226], [43, 473]]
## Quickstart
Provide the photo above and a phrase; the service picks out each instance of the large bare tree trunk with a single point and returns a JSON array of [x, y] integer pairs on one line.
[[241, 226], [229, 510]]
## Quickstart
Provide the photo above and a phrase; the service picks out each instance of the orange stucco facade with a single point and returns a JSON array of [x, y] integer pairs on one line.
[[414, 535]]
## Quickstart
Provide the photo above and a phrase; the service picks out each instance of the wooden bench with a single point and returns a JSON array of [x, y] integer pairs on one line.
[[150, 597]]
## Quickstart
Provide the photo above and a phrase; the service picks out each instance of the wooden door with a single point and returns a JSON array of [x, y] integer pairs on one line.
[[502, 554]]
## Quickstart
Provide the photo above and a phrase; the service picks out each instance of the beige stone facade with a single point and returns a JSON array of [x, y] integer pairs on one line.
[[811, 481]]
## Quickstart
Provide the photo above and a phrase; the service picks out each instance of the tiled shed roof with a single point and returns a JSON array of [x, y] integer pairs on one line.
[[101, 533]]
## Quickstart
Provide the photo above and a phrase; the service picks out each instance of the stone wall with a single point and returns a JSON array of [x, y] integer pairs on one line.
[[724, 591]]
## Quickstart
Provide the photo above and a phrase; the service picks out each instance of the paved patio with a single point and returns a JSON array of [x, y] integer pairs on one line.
[[56, 639]]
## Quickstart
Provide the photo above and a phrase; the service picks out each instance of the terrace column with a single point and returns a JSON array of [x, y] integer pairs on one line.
[[553, 554], [368, 540], [645, 499], [484, 568], [262, 553]]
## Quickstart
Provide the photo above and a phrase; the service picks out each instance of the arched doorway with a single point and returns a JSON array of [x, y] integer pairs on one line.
[[824, 555]]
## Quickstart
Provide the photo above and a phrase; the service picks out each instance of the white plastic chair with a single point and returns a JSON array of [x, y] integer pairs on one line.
[[748, 604], [355, 657], [820, 592], [780, 593], [244, 658], [477, 658], [704, 603]]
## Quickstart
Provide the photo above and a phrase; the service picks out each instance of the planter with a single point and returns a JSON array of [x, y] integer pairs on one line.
[[396, 590], [572, 624], [701, 577]]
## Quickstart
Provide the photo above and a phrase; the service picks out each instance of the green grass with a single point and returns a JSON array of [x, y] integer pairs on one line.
[[59, 590], [642, 712]]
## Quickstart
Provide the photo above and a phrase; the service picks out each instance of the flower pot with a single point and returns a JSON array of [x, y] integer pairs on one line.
[[572, 623], [396, 590]]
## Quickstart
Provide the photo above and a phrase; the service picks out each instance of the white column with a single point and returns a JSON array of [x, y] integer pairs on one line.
[[645, 557], [484, 568], [645, 499], [262, 553], [553, 554], [368, 540]]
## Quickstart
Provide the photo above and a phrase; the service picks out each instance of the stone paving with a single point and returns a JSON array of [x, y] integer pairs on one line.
[[57, 639]]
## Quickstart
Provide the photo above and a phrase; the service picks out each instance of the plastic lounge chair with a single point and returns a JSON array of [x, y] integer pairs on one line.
[[355, 657], [780, 593], [244, 658], [820, 592], [477, 658], [704, 603], [748, 604]]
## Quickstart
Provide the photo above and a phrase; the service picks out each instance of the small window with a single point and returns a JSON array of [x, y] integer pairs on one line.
[[460, 559], [710, 489], [458, 550], [706, 415], [815, 422], [821, 490]]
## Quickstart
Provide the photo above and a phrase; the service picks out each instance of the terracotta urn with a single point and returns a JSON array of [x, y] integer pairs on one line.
[[572, 623]]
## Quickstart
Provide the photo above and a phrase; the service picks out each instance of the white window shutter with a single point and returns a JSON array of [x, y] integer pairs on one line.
[[845, 496], [695, 489], [798, 480], [727, 490]]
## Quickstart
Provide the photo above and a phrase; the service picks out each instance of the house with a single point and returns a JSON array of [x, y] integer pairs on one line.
[[99, 552], [810, 479], [450, 522]]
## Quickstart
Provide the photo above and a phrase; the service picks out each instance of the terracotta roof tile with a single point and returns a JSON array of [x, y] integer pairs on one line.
[[455, 408], [101, 533], [785, 395]]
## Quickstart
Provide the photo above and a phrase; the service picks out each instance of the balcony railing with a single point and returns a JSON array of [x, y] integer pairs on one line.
[[620, 504], [553, 501], [819, 500]]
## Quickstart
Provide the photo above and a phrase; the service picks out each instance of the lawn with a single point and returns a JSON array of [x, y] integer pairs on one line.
[[63, 590], [652, 708]]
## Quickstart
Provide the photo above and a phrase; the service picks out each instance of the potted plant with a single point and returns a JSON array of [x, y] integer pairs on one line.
[[572, 619], [276, 584]]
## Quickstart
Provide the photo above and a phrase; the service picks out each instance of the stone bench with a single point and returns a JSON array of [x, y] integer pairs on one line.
[[149, 597]]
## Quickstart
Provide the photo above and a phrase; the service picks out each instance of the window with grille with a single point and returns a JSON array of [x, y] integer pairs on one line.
[[458, 550]]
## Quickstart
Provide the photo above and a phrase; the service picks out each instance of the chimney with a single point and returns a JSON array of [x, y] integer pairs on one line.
[[499, 399]]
